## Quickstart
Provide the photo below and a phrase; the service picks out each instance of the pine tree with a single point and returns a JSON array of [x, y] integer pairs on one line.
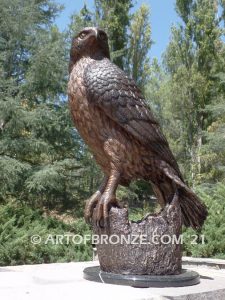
[[39, 150]]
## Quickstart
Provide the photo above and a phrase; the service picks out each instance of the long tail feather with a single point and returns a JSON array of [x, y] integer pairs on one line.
[[194, 212]]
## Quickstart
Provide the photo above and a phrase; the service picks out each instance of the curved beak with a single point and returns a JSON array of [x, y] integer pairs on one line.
[[94, 33]]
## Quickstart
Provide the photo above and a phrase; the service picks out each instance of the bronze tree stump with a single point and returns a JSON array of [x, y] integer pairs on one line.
[[156, 250]]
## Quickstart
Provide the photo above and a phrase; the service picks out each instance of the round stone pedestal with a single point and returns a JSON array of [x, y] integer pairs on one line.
[[185, 278]]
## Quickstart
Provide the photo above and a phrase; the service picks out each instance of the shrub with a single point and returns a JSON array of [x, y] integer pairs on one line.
[[213, 230], [19, 223]]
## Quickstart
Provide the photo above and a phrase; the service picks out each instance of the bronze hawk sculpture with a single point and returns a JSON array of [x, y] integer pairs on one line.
[[112, 117]]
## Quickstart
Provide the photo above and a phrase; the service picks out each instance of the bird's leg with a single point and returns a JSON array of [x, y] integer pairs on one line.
[[107, 200], [92, 202]]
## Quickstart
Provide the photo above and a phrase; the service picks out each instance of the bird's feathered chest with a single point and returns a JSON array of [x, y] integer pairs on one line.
[[82, 112], [91, 123], [77, 90]]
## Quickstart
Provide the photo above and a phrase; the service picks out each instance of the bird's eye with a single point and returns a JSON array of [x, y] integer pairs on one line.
[[82, 35]]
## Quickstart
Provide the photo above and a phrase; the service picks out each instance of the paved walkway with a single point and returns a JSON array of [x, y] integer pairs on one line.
[[65, 281]]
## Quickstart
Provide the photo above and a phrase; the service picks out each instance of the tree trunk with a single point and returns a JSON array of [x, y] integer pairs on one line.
[[150, 246]]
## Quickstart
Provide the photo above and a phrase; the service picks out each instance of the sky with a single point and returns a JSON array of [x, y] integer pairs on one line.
[[163, 15]]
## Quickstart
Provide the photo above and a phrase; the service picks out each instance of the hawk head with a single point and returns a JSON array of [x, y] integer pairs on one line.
[[91, 42]]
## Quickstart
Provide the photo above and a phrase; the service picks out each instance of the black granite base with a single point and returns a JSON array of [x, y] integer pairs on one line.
[[186, 278]]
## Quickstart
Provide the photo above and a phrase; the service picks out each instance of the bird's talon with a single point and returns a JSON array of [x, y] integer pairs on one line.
[[102, 211], [90, 206]]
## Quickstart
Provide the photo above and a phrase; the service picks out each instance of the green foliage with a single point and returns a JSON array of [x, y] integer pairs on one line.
[[18, 223], [136, 194], [40, 150], [138, 62], [212, 244], [192, 60], [12, 176], [213, 151]]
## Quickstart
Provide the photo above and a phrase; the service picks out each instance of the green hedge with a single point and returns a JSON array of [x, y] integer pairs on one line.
[[213, 230], [19, 223]]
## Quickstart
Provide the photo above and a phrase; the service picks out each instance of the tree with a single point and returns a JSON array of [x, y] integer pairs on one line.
[[190, 60], [39, 150], [114, 17], [213, 151], [138, 62]]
